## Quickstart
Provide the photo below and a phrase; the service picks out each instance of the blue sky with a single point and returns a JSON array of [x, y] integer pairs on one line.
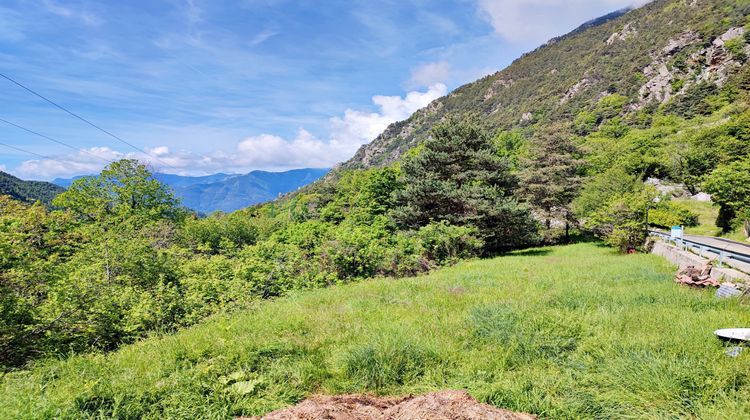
[[205, 86]]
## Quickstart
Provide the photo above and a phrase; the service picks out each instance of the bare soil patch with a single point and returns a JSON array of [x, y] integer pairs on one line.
[[444, 405]]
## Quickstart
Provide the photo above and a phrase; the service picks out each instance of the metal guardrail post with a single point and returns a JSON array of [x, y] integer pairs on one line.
[[721, 259]]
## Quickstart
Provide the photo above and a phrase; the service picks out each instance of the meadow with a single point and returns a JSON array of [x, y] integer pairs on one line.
[[574, 331]]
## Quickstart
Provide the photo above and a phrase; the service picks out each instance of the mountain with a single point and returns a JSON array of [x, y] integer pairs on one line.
[[28, 191], [665, 54], [240, 191], [226, 192]]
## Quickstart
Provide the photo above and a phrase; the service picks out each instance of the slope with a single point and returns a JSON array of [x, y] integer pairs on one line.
[[28, 191], [649, 56], [557, 332]]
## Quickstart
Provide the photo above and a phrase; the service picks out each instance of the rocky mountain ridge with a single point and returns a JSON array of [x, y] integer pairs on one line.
[[651, 55]]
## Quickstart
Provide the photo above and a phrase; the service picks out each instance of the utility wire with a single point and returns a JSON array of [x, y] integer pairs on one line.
[[60, 107], [54, 140], [24, 151]]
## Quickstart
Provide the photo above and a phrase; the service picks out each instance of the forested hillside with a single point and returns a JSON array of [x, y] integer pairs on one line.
[[28, 191], [668, 57]]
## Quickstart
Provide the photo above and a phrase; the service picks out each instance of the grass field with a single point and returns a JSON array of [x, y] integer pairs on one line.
[[565, 332]]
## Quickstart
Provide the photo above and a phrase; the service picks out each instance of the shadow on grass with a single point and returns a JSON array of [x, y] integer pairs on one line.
[[532, 252]]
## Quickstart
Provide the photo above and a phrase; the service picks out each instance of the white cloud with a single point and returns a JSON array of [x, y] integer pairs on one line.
[[356, 128], [536, 21], [3, 168], [264, 151], [84, 16], [430, 74], [87, 161], [262, 37]]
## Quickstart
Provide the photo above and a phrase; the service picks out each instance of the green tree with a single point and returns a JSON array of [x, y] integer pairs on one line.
[[601, 188], [124, 188], [621, 222], [459, 178], [729, 186], [549, 180]]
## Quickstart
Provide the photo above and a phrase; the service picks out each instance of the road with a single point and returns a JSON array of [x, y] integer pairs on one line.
[[725, 251], [721, 243]]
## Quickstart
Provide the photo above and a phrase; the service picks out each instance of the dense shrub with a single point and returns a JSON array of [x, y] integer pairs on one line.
[[621, 222], [668, 213], [219, 232], [443, 243], [730, 188]]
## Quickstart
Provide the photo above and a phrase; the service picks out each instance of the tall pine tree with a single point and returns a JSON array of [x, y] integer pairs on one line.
[[458, 177], [550, 178]]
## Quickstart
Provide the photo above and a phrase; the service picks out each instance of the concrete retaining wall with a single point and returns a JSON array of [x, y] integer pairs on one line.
[[684, 258]]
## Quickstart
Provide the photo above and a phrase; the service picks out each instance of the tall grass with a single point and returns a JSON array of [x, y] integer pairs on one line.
[[568, 332]]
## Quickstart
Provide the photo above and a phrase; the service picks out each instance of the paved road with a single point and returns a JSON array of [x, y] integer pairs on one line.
[[721, 243], [737, 253]]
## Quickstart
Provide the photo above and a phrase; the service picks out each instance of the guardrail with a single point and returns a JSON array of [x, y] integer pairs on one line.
[[724, 255]]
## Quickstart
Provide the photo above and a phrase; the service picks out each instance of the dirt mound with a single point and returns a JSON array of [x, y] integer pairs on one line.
[[445, 405]]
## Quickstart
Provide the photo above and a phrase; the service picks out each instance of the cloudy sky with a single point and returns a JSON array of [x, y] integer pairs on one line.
[[203, 86]]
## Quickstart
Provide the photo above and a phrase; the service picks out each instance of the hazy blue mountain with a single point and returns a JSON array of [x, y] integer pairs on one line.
[[227, 192]]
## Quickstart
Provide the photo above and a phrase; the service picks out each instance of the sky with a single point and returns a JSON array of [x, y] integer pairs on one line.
[[195, 87]]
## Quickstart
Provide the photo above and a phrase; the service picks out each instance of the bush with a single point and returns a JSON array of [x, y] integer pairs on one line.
[[219, 232], [622, 221], [445, 244], [730, 187], [668, 213]]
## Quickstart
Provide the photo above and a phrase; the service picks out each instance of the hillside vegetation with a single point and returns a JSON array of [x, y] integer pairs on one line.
[[28, 191], [562, 332], [660, 58], [555, 148]]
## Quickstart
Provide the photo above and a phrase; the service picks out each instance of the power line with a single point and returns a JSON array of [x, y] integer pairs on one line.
[[60, 107], [25, 151], [54, 140]]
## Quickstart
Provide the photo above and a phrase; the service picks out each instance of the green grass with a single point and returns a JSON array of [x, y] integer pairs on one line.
[[566, 332], [707, 214]]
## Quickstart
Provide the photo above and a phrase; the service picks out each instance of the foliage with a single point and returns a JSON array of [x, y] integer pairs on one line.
[[459, 178], [550, 177], [120, 259], [621, 222], [124, 189], [730, 188], [219, 232], [666, 214], [446, 244], [556, 332], [695, 101], [602, 188], [28, 191]]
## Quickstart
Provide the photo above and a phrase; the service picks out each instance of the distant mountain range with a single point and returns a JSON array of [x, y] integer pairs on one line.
[[28, 191], [226, 192]]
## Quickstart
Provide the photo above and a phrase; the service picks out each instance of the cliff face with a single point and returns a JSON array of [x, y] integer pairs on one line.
[[650, 55]]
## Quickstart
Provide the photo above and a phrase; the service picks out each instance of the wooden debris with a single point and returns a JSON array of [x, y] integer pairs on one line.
[[697, 277]]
